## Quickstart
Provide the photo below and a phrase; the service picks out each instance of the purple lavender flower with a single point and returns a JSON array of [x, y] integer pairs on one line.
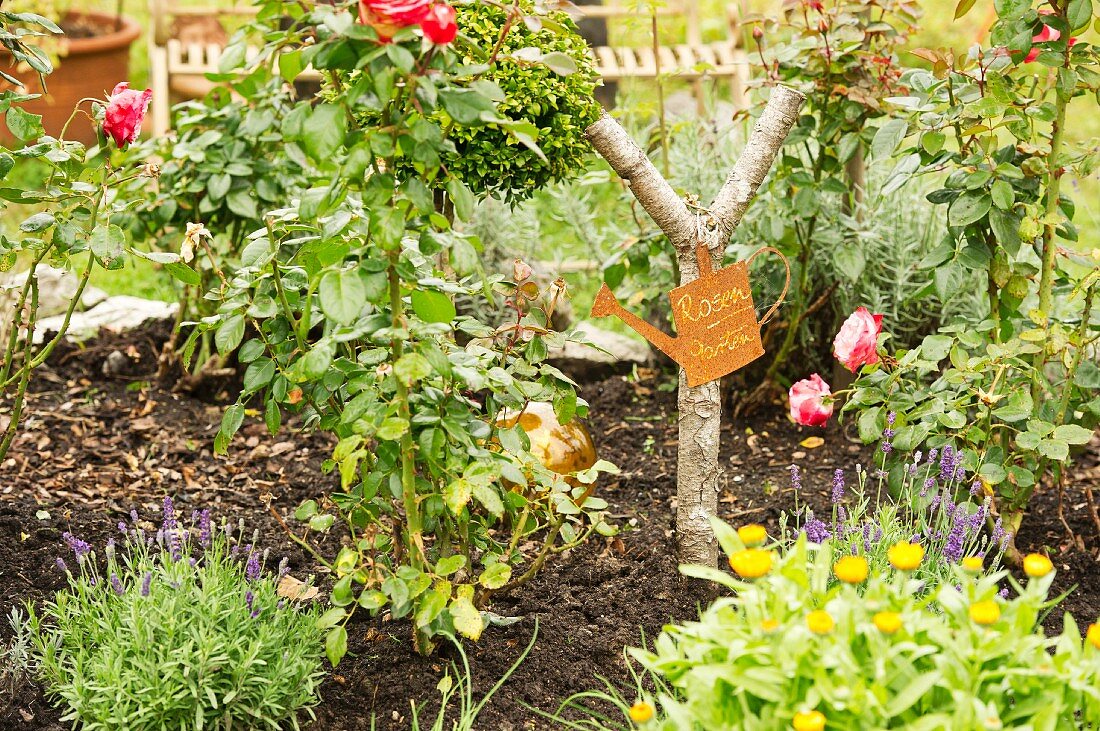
[[960, 472], [204, 527], [974, 524], [975, 487], [252, 568], [947, 463], [916, 538], [122, 527], [816, 531], [880, 474], [928, 485], [838, 486], [80, 548], [1003, 593], [193, 561], [796, 478], [116, 584], [998, 532], [133, 516], [109, 549], [953, 549], [867, 537], [169, 515], [60, 563], [948, 504], [888, 433], [284, 566], [146, 583], [249, 598], [174, 545]]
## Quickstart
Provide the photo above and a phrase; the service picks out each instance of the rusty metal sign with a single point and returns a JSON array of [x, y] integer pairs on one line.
[[716, 325]]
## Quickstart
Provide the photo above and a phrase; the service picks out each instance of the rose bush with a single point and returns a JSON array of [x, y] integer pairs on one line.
[[343, 308]]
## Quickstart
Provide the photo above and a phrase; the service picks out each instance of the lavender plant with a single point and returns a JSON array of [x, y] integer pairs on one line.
[[183, 629], [16, 661], [938, 504]]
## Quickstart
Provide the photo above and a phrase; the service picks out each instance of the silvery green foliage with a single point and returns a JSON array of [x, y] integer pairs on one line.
[[177, 629], [16, 662]]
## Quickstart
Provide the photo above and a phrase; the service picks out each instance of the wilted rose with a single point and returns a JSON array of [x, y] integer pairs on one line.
[[125, 112]]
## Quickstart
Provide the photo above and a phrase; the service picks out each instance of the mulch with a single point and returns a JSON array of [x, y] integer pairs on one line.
[[95, 446]]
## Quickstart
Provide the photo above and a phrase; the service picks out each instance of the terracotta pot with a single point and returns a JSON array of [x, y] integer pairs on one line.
[[89, 67]]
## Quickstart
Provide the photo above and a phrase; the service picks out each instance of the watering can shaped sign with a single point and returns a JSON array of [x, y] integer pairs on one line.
[[715, 319]]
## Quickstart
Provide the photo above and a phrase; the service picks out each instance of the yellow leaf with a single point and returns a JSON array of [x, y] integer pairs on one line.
[[811, 442]]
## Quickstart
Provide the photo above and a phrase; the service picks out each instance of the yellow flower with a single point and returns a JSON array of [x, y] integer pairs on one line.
[[1093, 635], [973, 564], [641, 712], [769, 625], [851, 569], [751, 563], [985, 613], [887, 622], [752, 535], [905, 556], [808, 721], [1037, 565], [820, 622]]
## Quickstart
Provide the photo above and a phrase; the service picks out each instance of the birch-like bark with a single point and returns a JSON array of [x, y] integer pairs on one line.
[[700, 408]]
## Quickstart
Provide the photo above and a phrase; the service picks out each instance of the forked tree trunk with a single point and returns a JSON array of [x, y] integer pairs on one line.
[[700, 408]]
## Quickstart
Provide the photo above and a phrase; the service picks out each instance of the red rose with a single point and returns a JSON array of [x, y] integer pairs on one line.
[[126, 110], [439, 24], [856, 344], [389, 16], [1046, 35], [809, 401]]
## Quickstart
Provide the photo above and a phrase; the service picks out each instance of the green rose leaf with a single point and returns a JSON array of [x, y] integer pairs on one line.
[[342, 295], [432, 306]]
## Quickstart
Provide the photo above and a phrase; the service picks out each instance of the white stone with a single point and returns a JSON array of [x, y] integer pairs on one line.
[[611, 348], [116, 314]]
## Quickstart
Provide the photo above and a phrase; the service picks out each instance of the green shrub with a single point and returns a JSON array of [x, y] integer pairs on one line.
[[871, 655], [559, 105], [179, 630]]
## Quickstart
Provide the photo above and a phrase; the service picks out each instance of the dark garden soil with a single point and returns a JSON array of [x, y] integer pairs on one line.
[[94, 446]]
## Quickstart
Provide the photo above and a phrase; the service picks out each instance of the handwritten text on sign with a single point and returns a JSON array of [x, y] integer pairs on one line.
[[715, 321]]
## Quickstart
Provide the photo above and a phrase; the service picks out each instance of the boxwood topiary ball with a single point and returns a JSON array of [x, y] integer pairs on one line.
[[487, 158]]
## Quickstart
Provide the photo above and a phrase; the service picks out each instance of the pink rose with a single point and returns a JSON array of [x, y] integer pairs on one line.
[[126, 110], [856, 344], [1046, 35], [439, 24], [389, 16], [810, 403]]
